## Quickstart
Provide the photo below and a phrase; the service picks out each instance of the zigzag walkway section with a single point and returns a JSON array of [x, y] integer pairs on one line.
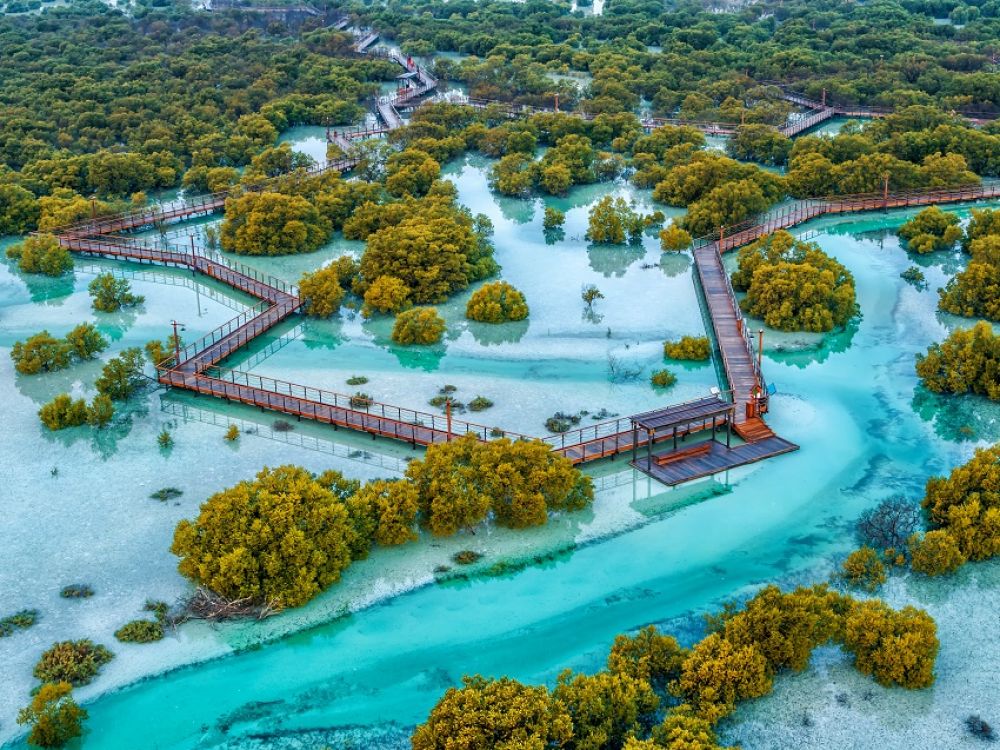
[[197, 367]]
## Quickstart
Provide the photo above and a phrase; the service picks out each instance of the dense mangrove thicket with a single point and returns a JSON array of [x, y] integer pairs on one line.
[[43, 352], [280, 539], [975, 291], [793, 285], [153, 94], [41, 254], [496, 302], [931, 229], [968, 361], [421, 325], [656, 694], [966, 505], [517, 483]]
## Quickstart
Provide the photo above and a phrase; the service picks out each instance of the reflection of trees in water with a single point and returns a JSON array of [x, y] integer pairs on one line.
[[47, 290], [959, 418], [552, 236], [42, 387], [613, 260], [103, 440], [427, 358], [489, 334], [517, 210], [802, 354], [114, 325], [321, 334], [949, 261], [675, 264]]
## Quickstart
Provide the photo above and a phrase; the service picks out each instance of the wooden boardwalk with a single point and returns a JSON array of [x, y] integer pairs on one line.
[[730, 331], [718, 458], [199, 367]]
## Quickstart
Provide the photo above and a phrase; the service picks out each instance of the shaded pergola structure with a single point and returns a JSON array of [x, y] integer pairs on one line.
[[680, 420]]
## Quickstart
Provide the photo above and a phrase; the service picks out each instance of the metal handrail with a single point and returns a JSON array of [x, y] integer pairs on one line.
[[366, 407], [192, 350]]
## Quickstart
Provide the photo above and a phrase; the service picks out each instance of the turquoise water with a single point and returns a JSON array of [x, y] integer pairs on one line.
[[643, 554]]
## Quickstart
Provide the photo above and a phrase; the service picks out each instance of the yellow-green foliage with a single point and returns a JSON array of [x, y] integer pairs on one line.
[[786, 627], [85, 341], [122, 376], [53, 716], [496, 302], [553, 218], [63, 411], [495, 715], [968, 361], [682, 729], [966, 504], [613, 221], [931, 229], [695, 348], [895, 647], [75, 662], [606, 708], [18, 209], [793, 285], [347, 270], [984, 223], [674, 239], [232, 434], [162, 352], [648, 655], [411, 172], [279, 539], [140, 631], [975, 292], [321, 291], [662, 379], [772, 633], [101, 411], [110, 294], [45, 353], [459, 483], [935, 553], [40, 353], [65, 207], [387, 294], [430, 245], [272, 223], [421, 325], [385, 511], [42, 254], [863, 569], [717, 674]]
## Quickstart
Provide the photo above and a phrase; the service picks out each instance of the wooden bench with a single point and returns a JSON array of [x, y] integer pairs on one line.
[[702, 449]]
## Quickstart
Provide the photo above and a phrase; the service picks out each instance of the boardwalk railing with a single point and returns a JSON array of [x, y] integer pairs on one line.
[[185, 207], [757, 226], [211, 338], [316, 403], [741, 322]]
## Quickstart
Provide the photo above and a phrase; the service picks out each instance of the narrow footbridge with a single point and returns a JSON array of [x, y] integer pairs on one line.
[[740, 407]]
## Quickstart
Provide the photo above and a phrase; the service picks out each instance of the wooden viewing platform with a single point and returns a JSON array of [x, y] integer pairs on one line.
[[198, 366]]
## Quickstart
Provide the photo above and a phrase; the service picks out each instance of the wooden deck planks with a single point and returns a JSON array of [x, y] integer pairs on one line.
[[609, 439], [719, 458]]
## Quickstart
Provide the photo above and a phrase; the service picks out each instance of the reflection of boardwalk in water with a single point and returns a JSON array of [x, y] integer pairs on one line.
[[155, 275], [264, 428], [739, 407]]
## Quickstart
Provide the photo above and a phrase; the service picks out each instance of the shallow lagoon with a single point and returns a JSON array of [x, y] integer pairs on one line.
[[849, 399]]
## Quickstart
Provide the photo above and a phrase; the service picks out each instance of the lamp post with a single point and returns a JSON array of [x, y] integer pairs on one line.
[[177, 341]]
